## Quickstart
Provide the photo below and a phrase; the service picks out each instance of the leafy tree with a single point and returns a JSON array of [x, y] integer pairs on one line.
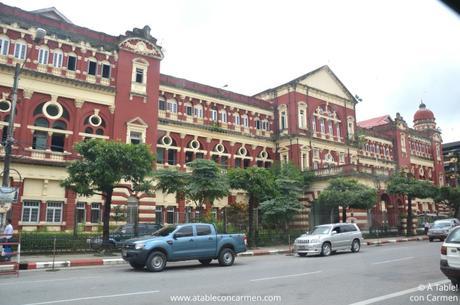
[[103, 165], [119, 214], [347, 193], [402, 184], [206, 183], [259, 184], [451, 197], [172, 181]]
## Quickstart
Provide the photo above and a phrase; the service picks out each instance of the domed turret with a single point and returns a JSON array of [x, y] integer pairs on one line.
[[424, 118]]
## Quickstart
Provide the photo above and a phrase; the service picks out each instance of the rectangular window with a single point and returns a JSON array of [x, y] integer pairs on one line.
[[172, 157], [331, 129], [57, 59], [71, 63], [43, 56], [323, 128], [81, 212], [245, 122], [95, 212], [4, 46], [170, 215], [159, 215], [283, 120], [30, 211], [342, 157], [338, 131], [223, 117], [92, 67], [162, 104], [105, 70], [189, 110], [139, 75], [316, 153], [160, 155], [199, 112], [237, 119], [301, 118], [54, 211], [214, 115], [172, 106], [20, 50], [135, 137], [258, 124]]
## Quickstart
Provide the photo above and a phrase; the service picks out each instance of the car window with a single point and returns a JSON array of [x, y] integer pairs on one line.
[[351, 228], [165, 231], [321, 230], [443, 224], [203, 230], [336, 229], [185, 231], [454, 237]]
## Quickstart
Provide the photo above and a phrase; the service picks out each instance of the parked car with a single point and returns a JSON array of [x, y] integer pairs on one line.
[[450, 256], [123, 233], [329, 238], [183, 242], [441, 228]]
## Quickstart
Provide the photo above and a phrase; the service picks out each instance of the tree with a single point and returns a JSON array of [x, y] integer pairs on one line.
[[405, 185], [451, 197], [347, 193], [259, 184], [103, 165], [206, 183], [172, 181]]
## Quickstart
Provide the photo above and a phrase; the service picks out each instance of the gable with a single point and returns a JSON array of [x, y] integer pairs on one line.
[[52, 13], [324, 80]]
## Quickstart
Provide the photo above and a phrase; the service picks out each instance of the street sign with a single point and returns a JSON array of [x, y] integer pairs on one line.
[[8, 194]]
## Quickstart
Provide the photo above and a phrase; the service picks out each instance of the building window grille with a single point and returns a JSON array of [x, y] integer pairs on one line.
[[95, 212], [92, 68], [30, 211], [53, 212]]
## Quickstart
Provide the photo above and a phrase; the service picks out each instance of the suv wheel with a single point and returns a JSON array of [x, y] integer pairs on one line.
[[156, 261], [226, 257], [326, 249], [355, 246]]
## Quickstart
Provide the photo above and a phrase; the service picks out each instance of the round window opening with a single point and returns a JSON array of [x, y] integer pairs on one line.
[[52, 110], [166, 140], [220, 148], [95, 120], [5, 106], [242, 151], [263, 154], [194, 144]]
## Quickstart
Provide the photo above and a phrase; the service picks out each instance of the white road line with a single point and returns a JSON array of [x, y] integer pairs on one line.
[[95, 297], [50, 280], [398, 294], [394, 260], [285, 276]]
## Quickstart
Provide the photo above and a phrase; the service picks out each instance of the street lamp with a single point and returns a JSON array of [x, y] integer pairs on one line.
[[39, 35]]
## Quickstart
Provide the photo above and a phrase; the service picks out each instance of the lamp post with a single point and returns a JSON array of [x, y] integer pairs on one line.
[[39, 35]]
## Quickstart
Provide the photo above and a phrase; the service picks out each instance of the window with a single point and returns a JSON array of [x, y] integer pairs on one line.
[[302, 118], [223, 116], [198, 111], [40, 138], [283, 120], [185, 231], [313, 123], [188, 110], [331, 129], [57, 59], [245, 121], [258, 124], [20, 49], [54, 212], [265, 125], [106, 70], [342, 157], [4, 45], [162, 104], [139, 75], [158, 215], [172, 157], [316, 153], [172, 106], [43, 55], [160, 155], [135, 137], [30, 211], [81, 212], [323, 128], [72, 63], [214, 115], [92, 67], [237, 119], [95, 212], [337, 127], [170, 215]]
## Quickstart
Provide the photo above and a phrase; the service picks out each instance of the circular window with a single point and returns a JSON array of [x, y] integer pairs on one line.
[[219, 148], [95, 120], [420, 171], [194, 144], [242, 151], [88, 130], [5, 106], [53, 110], [166, 140], [263, 154]]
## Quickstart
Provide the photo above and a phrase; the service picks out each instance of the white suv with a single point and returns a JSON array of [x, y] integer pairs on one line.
[[329, 238], [450, 256]]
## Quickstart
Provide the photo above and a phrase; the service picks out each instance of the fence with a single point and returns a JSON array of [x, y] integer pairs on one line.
[[44, 242], [9, 250]]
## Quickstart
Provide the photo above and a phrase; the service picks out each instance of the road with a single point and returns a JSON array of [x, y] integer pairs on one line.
[[390, 274]]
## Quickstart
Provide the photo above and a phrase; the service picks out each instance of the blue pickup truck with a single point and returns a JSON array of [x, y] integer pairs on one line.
[[183, 242]]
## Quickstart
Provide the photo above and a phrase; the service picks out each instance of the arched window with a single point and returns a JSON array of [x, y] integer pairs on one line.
[[58, 56], [322, 127], [236, 118], [20, 49], [283, 119], [198, 111], [94, 124], [257, 123], [54, 116], [43, 55], [4, 45]]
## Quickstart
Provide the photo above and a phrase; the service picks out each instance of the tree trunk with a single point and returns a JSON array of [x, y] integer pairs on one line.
[[344, 214], [251, 229], [106, 217], [409, 215]]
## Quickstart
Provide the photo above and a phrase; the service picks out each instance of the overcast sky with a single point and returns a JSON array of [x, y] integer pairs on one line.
[[391, 53]]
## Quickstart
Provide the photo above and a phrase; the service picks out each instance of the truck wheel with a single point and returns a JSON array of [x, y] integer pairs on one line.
[[137, 266], [156, 261], [226, 257], [205, 261]]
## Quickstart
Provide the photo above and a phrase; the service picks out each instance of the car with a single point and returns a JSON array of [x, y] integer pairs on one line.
[[450, 257], [183, 242], [329, 238], [441, 228], [123, 233]]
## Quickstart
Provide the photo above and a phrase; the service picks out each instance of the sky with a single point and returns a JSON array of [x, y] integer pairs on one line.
[[392, 54]]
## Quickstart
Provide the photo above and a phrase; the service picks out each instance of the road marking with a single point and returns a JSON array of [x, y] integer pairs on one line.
[[284, 276], [398, 294], [394, 260], [50, 280], [95, 297]]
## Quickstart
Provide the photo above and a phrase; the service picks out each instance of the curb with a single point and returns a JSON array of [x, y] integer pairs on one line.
[[401, 240], [265, 252], [72, 263]]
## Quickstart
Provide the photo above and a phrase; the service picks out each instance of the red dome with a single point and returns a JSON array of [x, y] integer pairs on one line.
[[423, 113]]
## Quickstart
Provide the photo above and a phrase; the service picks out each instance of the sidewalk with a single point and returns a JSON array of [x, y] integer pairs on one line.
[[28, 262]]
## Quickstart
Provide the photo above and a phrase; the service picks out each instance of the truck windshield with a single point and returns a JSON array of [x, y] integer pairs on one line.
[[165, 231]]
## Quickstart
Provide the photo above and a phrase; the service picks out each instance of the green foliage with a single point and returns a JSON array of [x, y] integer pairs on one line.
[[171, 181], [449, 196], [43, 242], [119, 214], [347, 193]]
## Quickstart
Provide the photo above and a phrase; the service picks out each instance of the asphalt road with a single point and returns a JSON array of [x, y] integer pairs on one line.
[[390, 274]]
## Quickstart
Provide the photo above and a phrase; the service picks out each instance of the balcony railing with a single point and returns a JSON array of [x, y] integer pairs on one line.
[[350, 169]]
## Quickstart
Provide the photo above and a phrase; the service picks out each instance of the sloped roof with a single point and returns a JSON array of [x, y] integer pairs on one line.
[[381, 120], [53, 13]]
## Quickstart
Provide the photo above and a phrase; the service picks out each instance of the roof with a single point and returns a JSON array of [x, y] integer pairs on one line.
[[181, 83], [378, 121], [423, 113], [53, 13], [451, 145]]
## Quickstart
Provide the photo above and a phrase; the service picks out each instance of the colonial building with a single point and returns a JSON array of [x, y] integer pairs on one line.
[[79, 83]]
